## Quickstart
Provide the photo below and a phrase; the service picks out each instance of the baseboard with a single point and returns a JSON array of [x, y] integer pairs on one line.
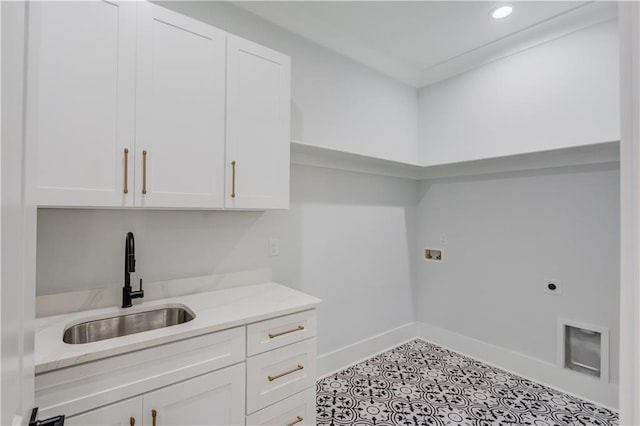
[[346, 356], [548, 374]]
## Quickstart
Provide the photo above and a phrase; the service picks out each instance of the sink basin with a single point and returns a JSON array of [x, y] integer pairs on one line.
[[123, 325]]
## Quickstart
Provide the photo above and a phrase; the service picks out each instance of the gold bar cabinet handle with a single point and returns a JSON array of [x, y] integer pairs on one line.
[[144, 171], [233, 179], [298, 420], [126, 178], [298, 328], [132, 421], [154, 413], [298, 368]]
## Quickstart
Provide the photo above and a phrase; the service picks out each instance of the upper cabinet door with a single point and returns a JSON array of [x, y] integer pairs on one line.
[[258, 126], [80, 100], [180, 111]]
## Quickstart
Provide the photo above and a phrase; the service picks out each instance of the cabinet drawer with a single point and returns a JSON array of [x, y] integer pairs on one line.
[[299, 410], [118, 414], [275, 375], [93, 384], [275, 333]]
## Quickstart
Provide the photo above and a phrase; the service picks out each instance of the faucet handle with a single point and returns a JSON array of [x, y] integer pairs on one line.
[[137, 294]]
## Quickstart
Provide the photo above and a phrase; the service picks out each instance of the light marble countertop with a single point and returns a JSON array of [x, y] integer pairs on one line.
[[214, 311]]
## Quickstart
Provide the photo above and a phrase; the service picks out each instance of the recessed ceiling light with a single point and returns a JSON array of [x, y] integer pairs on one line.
[[501, 12]]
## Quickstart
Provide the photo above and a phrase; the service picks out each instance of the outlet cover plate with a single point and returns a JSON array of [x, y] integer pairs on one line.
[[274, 247]]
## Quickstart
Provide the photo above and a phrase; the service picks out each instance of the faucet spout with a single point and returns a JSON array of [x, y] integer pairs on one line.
[[130, 253], [130, 266]]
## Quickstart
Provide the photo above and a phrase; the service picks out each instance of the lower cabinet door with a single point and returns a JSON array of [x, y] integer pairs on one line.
[[299, 409], [123, 413], [211, 399]]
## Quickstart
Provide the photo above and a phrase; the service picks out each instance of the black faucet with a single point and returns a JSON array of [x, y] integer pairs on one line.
[[129, 267]]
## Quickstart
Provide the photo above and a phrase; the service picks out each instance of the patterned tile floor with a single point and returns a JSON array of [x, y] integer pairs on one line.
[[419, 383]]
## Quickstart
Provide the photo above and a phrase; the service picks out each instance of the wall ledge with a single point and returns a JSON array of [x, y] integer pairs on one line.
[[311, 155]]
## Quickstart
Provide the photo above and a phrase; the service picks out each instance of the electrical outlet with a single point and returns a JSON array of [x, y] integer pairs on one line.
[[553, 287], [443, 239], [274, 247]]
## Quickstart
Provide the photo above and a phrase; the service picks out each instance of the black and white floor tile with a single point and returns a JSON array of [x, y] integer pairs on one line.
[[419, 383]]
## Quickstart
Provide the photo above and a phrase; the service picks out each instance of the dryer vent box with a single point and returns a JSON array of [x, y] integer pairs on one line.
[[585, 349]]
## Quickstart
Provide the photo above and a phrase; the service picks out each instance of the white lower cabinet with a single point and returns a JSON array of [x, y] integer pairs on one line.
[[210, 379], [281, 370], [211, 399]]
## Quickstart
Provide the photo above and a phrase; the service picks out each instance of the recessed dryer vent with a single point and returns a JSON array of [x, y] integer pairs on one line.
[[584, 348]]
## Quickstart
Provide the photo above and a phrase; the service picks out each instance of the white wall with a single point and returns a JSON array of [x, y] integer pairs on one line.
[[560, 94], [336, 102], [346, 239], [507, 233]]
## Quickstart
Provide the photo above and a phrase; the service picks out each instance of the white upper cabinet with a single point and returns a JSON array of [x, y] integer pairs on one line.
[[133, 105], [258, 126], [180, 111], [80, 100]]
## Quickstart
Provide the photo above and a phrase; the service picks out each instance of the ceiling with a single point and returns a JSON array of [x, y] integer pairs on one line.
[[421, 42]]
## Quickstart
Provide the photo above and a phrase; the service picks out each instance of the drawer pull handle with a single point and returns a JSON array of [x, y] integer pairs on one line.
[[298, 328], [126, 179], [132, 421], [233, 179], [154, 413], [144, 171], [298, 420], [298, 368]]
